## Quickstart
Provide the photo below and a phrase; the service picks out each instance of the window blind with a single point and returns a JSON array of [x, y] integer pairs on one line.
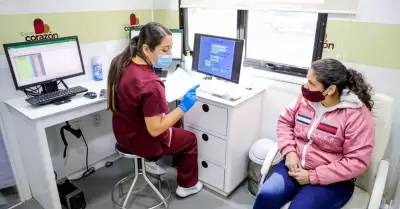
[[318, 6]]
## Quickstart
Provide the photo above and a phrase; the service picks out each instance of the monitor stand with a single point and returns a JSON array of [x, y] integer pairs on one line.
[[49, 87], [53, 87]]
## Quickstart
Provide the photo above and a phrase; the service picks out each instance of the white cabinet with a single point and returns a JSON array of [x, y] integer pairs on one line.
[[225, 131], [210, 147], [209, 117], [211, 174]]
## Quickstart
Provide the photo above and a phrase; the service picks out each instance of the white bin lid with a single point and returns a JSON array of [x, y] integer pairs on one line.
[[259, 150]]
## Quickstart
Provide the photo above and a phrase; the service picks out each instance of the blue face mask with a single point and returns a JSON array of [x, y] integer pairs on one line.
[[164, 61]]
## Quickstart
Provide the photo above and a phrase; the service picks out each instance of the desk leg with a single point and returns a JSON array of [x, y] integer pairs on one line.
[[36, 158]]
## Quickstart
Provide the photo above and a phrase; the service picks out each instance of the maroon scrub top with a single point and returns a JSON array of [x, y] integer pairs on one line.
[[140, 94]]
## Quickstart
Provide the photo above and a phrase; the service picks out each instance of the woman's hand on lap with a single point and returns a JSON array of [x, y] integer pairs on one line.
[[292, 162], [301, 176]]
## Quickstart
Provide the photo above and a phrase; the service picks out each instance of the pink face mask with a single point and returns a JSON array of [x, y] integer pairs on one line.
[[312, 96]]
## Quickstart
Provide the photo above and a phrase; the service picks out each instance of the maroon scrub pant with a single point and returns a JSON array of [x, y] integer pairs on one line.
[[183, 148]]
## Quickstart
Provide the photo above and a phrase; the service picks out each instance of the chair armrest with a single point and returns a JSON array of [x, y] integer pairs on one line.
[[379, 185], [269, 159]]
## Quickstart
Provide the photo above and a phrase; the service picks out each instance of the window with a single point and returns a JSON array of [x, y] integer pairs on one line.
[[279, 41], [275, 39], [219, 22], [281, 37]]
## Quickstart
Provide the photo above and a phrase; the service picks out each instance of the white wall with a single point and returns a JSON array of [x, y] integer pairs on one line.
[[379, 11], [100, 139], [166, 4], [58, 6]]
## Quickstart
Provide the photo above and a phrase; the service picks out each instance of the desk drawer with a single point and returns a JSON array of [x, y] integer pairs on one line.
[[211, 174], [210, 147], [208, 117]]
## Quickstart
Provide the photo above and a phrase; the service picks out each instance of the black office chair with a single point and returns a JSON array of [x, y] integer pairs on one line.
[[140, 169]]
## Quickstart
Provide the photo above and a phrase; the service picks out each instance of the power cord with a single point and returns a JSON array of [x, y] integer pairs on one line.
[[77, 133], [89, 171], [38, 90], [33, 91]]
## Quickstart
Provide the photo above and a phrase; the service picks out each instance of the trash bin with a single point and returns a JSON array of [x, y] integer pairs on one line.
[[257, 154]]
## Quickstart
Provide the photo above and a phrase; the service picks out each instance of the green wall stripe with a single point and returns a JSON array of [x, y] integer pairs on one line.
[[169, 18], [98, 26], [91, 27], [364, 43]]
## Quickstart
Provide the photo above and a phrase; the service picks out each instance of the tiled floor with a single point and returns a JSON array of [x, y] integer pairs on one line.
[[8, 197], [97, 189]]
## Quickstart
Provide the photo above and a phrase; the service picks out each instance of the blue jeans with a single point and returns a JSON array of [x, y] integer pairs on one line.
[[280, 188]]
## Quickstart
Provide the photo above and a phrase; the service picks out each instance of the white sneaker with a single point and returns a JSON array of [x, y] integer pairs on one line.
[[154, 168], [184, 192]]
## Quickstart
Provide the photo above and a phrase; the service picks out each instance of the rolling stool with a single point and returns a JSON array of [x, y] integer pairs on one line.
[[140, 169]]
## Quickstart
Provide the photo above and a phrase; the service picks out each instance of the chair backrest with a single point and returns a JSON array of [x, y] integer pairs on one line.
[[382, 113]]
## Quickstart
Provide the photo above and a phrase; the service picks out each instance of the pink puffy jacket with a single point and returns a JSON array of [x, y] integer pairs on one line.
[[334, 144]]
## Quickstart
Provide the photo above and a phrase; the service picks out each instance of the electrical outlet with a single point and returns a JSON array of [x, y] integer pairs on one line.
[[76, 124], [96, 120]]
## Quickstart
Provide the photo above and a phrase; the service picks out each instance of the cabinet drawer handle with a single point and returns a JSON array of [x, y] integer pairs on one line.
[[204, 164], [205, 137], [206, 108]]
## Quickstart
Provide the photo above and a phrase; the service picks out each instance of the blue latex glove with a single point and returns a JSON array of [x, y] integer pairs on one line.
[[189, 99]]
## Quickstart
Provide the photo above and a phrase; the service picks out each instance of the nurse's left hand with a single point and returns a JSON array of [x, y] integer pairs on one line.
[[189, 99], [301, 176]]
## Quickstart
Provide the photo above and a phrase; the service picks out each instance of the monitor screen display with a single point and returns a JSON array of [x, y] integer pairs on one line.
[[34, 63], [218, 56]]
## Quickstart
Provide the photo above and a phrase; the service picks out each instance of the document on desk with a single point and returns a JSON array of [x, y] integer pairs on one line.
[[178, 83]]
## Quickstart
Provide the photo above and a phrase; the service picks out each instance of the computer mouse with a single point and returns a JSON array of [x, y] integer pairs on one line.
[[90, 95]]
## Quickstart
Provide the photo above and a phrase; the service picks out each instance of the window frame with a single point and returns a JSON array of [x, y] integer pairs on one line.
[[281, 67], [242, 19], [183, 24]]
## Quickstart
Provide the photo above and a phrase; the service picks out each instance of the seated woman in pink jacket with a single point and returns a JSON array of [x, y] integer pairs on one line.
[[326, 138]]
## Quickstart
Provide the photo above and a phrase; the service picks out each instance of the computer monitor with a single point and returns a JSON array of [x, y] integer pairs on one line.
[[216, 56], [177, 37], [44, 62]]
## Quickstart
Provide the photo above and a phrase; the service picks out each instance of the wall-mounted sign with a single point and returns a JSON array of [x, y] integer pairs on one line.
[[41, 31], [133, 22]]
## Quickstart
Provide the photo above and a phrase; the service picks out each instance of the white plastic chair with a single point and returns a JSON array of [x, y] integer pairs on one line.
[[370, 185]]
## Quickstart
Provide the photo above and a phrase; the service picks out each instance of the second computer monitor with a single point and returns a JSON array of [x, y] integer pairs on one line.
[[218, 56], [177, 37]]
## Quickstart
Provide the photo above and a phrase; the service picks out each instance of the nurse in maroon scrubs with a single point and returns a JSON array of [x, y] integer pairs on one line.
[[136, 97]]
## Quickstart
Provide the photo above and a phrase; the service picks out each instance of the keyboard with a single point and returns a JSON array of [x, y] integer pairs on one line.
[[220, 89], [213, 87], [57, 96]]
